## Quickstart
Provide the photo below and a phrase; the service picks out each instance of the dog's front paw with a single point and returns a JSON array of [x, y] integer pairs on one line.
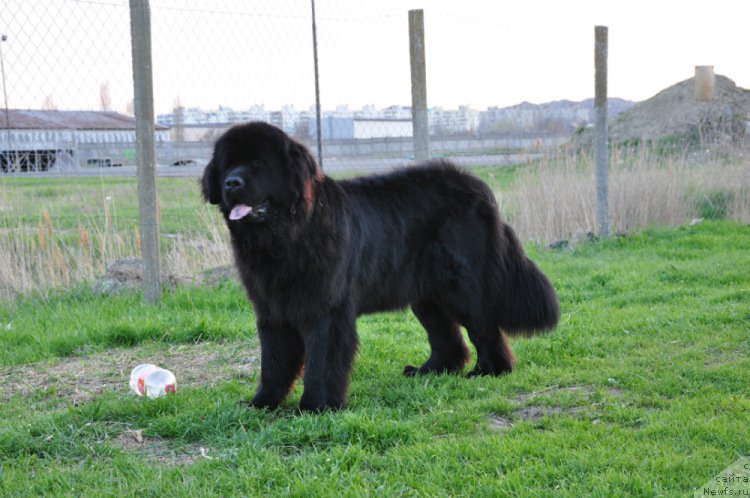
[[410, 370], [264, 399], [312, 404]]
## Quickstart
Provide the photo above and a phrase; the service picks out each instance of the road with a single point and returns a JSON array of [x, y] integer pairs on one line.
[[331, 165]]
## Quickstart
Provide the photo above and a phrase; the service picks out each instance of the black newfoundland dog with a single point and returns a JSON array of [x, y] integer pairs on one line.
[[314, 253]]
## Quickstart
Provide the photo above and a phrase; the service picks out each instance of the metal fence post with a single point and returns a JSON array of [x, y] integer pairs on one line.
[[600, 140], [418, 86], [317, 87], [10, 165], [140, 32]]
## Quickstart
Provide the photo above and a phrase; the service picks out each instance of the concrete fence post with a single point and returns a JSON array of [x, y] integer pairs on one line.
[[601, 153], [420, 128], [140, 32]]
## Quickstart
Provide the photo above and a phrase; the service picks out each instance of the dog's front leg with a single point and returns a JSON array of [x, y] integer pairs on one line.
[[282, 353], [330, 346]]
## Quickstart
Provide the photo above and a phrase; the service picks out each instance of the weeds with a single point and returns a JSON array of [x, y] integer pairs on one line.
[[58, 233], [78, 229], [555, 198]]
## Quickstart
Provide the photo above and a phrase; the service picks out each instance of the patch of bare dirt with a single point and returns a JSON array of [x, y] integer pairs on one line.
[[499, 422], [535, 405], [127, 274], [583, 391], [161, 450], [77, 380], [716, 357]]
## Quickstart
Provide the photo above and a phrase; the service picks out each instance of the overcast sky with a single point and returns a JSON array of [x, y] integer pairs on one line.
[[481, 53]]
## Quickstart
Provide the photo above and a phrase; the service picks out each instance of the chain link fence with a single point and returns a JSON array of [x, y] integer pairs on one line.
[[68, 111], [68, 83], [228, 61]]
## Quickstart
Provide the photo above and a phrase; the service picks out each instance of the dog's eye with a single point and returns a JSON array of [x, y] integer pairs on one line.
[[256, 165]]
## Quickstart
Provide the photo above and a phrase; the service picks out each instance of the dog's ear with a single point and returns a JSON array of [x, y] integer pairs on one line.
[[305, 171], [301, 156], [210, 183]]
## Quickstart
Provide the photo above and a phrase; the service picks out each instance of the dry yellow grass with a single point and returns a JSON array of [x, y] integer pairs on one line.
[[74, 239], [555, 199], [45, 257]]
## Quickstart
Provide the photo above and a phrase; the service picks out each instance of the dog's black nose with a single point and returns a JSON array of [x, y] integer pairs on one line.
[[234, 182]]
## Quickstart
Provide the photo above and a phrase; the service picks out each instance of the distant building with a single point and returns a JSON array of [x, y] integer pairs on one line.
[[196, 125], [382, 128], [333, 128], [351, 128], [37, 140], [465, 120], [287, 118], [398, 112], [197, 132]]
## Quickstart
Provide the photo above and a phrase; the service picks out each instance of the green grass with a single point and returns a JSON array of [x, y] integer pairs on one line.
[[646, 384], [70, 202], [499, 178]]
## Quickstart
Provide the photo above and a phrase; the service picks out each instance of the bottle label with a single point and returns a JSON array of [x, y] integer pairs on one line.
[[142, 378]]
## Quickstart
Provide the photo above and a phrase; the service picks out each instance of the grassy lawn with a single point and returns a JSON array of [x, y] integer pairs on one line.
[[643, 390], [112, 201]]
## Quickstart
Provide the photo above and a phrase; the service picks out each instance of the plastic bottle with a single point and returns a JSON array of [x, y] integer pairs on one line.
[[152, 381]]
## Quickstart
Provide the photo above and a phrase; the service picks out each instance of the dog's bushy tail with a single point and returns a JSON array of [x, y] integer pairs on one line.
[[528, 303]]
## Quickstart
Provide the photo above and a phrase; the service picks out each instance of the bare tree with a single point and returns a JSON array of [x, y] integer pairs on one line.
[[49, 104], [178, 126], [104, 98]]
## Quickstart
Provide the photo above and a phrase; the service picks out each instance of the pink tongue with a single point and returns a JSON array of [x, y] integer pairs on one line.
[[239, 211]]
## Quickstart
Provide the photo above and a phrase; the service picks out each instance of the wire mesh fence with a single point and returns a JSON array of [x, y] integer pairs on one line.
[[68, 111], [61, 61], [69, 87]]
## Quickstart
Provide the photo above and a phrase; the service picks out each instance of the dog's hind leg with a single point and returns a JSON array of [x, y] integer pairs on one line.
[[449, 352], [494, 355]]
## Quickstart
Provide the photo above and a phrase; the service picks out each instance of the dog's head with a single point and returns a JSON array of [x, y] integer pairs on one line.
[[258, 171]]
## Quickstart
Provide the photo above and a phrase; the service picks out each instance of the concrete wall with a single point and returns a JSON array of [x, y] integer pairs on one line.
[[373, 129], [402, 147]]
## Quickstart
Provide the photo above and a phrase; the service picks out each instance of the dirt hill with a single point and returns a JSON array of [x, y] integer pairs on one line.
[[673, 117]]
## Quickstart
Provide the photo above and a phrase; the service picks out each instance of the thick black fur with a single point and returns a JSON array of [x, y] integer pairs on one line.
[[319, 253]]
